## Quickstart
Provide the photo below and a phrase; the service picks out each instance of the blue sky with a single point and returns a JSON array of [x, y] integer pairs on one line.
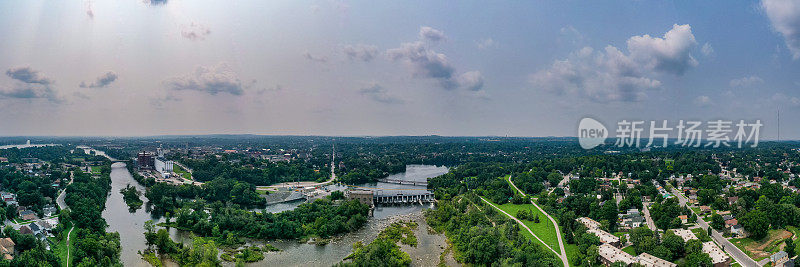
[[531, 68]]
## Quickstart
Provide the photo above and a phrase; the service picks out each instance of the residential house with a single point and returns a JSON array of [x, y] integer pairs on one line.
[[737, 230], [684, 219], [731, 222], [35, 228], [9, 198], [7, 248], [49, 210], [705, 209], [25, 230], [732, 200], [28, 215], [780, 259], [632, 219]]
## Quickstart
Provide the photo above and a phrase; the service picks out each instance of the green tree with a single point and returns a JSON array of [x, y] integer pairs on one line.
[[717, 222], [790, 247], [756, 223]]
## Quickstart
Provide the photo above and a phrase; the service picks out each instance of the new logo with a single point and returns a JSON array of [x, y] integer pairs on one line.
[[591, 133]]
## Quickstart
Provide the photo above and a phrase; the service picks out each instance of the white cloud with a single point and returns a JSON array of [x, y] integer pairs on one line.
[[612, 75], [746, 81], [360, 52], [377, 93], [211, 80], [28, 75], [29, 84], [703, 101], [427, 63], [669, 54], [785, 18], [572, 35], [195, 31], [486, 43], [784, 100], [315, 58], [472, 80], [430, 34], [707, 50], [102, 81]]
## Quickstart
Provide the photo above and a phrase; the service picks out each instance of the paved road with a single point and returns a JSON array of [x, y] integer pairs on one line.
[[60, 199], [734, 251], [563, 254], [650, 223], [305, 184], [563, 259]]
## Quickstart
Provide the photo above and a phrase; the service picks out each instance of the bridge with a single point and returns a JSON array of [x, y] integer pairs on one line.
[[403, 182]]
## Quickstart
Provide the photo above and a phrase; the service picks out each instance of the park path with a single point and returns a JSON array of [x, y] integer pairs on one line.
[[68, 250], [526, 228], [563, 254]]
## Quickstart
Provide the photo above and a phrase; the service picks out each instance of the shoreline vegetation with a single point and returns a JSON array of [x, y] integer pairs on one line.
[[131, 196], [384, 251]]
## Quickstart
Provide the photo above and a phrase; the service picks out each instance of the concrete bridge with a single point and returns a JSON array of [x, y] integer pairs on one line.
[[403, 182]]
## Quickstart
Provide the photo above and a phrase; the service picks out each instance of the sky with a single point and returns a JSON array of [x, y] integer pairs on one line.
[[465, 68]]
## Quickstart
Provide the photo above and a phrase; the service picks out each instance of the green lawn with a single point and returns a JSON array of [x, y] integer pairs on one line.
[[96, 169], [629, 250], [60, 248], [571, 250], [796, 232], [770, 248], [20, 221], [544, 229], [177, 169], [697, 232]]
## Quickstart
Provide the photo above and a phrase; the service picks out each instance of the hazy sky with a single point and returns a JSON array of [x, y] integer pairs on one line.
[[520, 68]]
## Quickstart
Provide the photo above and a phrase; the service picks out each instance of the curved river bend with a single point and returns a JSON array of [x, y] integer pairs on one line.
[[130, 225]]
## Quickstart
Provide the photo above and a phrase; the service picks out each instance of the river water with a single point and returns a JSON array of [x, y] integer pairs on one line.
[[130, 225]]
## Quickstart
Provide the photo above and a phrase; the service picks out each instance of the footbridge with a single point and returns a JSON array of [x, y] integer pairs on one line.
[[403, 182]]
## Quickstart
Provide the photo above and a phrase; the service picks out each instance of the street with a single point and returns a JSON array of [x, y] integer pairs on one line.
[[726, 245], [650, 223]]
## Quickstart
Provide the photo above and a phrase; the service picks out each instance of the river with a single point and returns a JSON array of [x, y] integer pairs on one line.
[[130, 225]]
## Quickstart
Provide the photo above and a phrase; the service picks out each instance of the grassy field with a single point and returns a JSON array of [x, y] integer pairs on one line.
[[761, 249], [544, 229], [180, 171], [96, 169], [629, 250], [60, 248]]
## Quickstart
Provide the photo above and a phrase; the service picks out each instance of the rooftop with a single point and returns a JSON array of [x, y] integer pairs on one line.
[[685, 234], [604, 236], [714, 252], [648, 260], [613, 254]]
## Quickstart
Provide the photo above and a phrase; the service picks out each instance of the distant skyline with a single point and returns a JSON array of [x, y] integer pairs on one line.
[[375, 68]]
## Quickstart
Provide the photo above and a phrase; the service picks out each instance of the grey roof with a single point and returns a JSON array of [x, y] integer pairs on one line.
[[777, 256], [34, 227]]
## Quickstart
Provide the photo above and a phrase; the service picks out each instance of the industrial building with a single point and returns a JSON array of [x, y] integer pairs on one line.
[[146, 161]]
